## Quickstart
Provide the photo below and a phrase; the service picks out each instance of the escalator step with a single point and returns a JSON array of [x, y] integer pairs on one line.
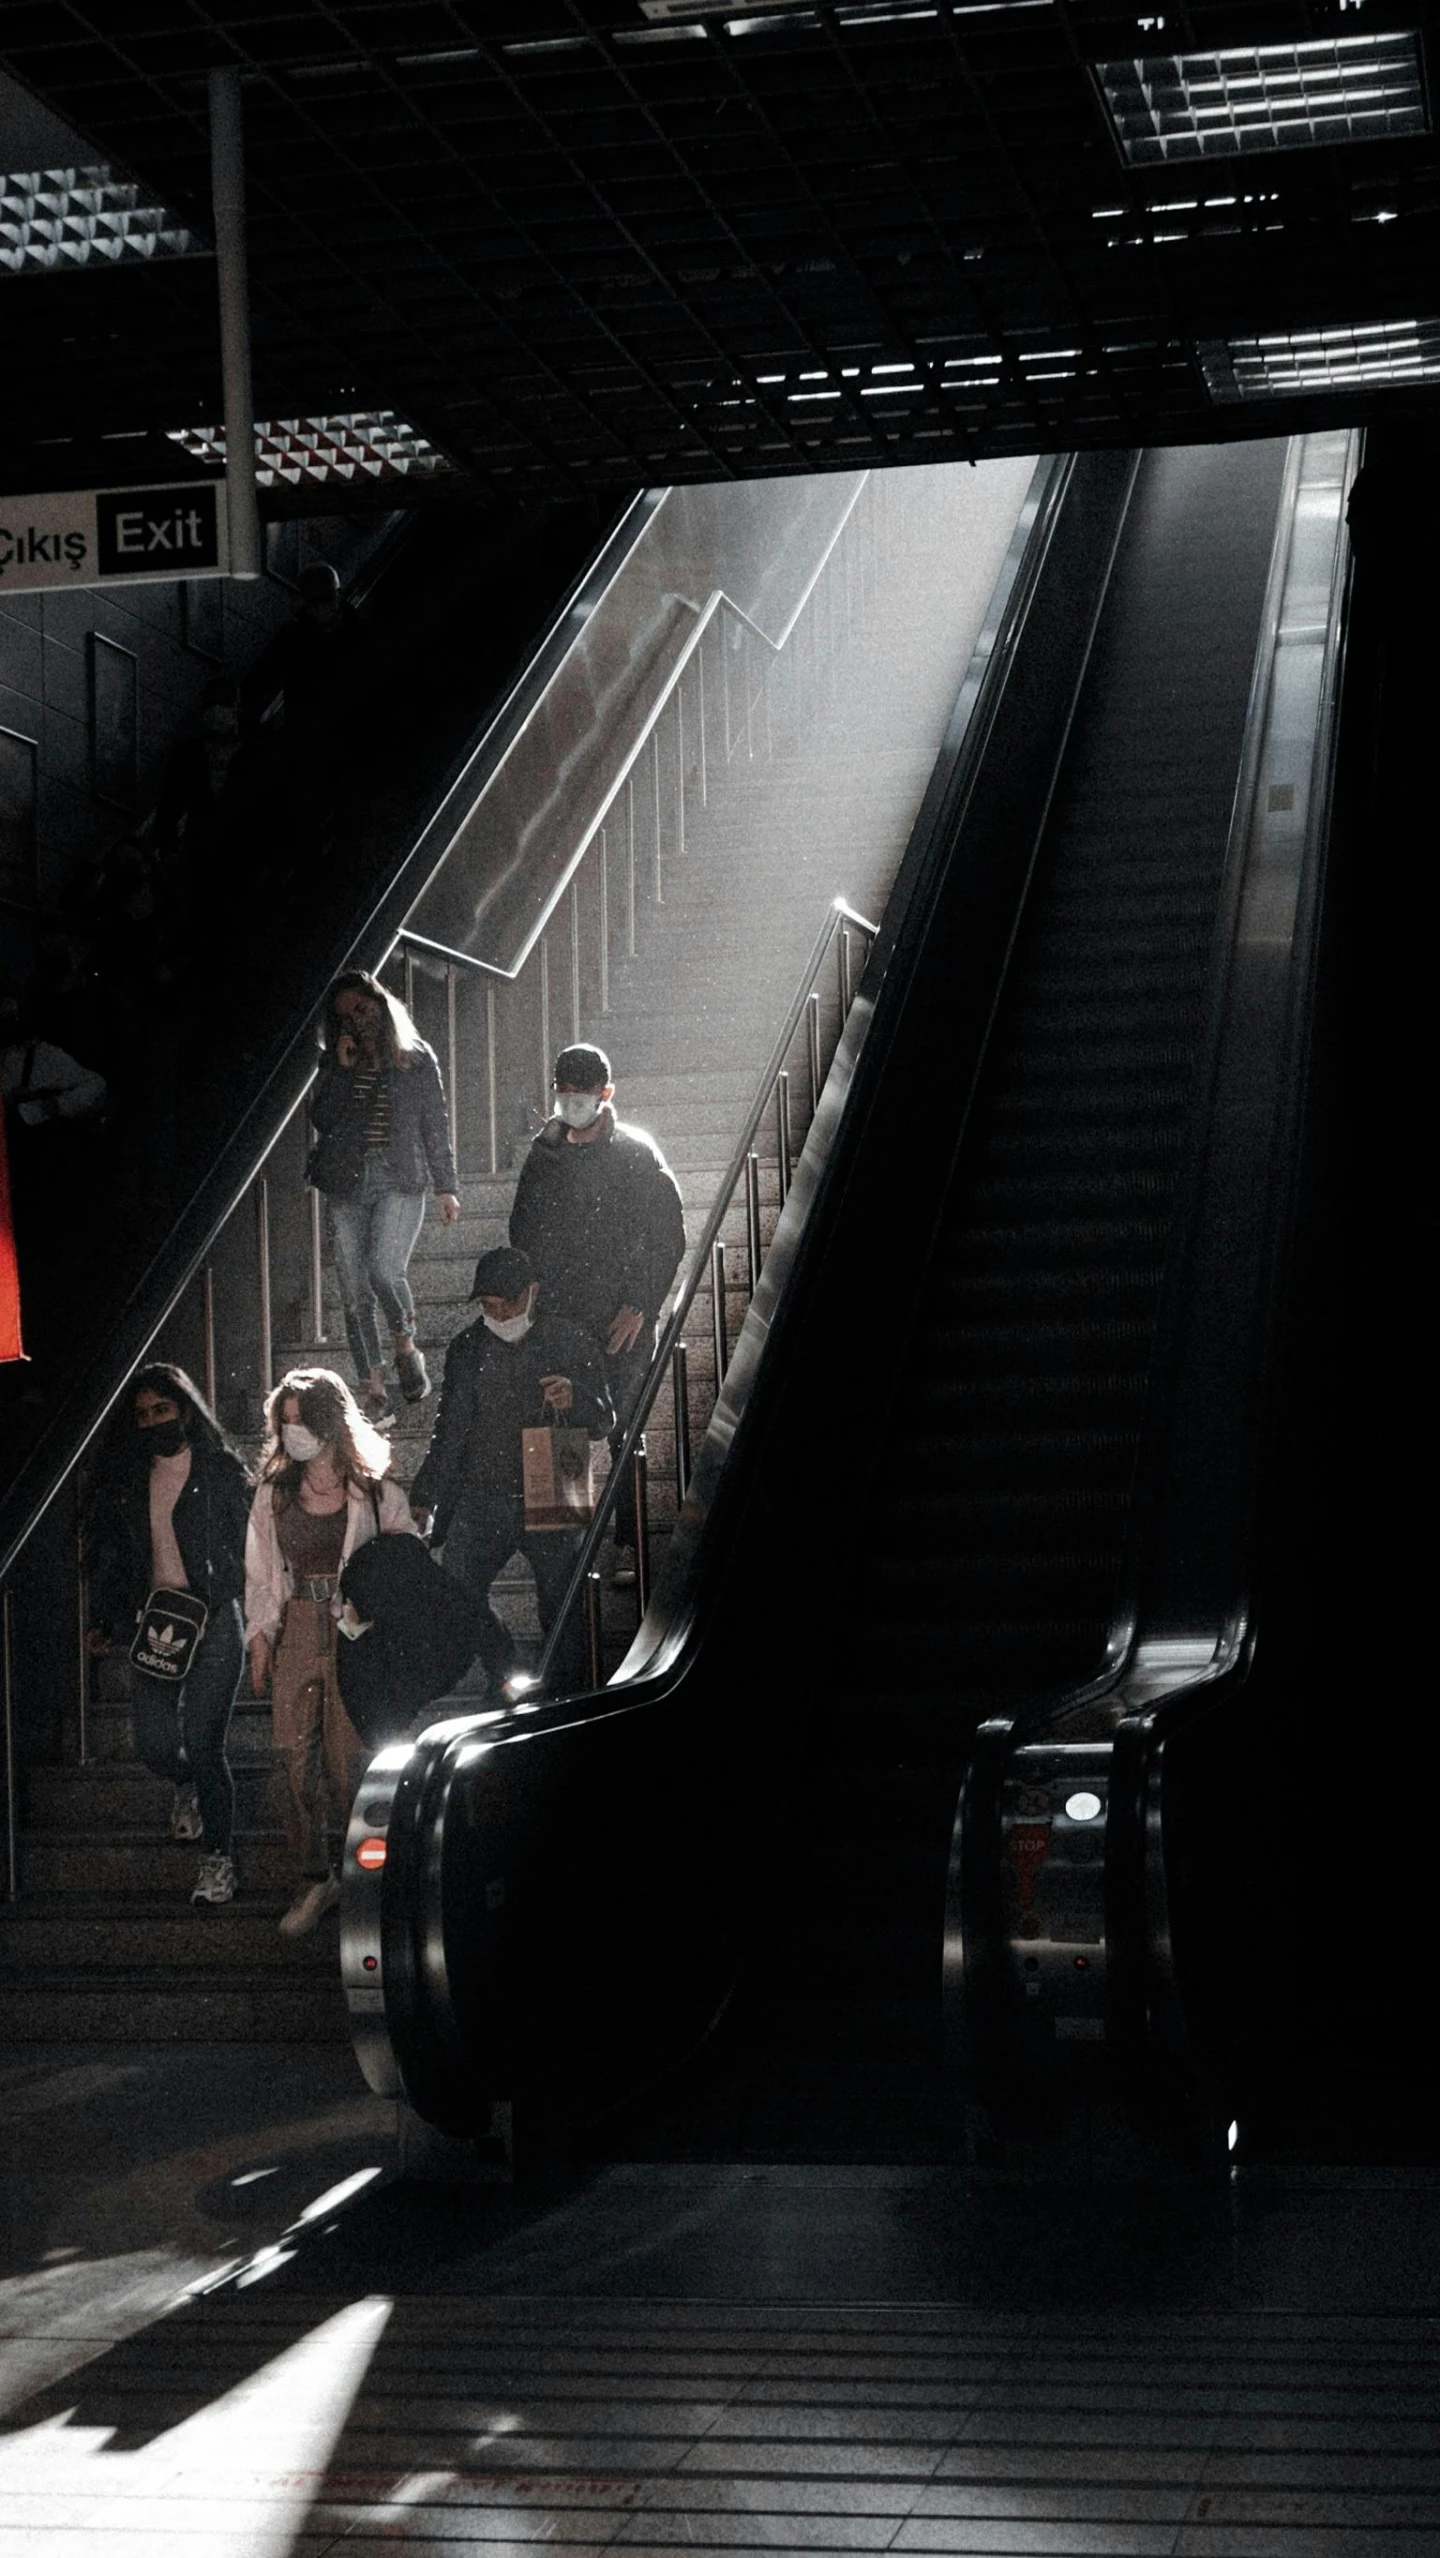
[[1063, 1244]]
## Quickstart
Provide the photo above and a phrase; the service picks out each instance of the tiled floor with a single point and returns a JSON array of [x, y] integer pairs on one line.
[[221, 2331]]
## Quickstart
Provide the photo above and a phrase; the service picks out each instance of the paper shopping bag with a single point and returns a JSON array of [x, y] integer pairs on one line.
[[559, 1489]]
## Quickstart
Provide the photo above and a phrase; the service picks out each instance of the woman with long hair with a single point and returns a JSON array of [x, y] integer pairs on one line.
[[323, 1490], [383, 1134], [165, 1542]]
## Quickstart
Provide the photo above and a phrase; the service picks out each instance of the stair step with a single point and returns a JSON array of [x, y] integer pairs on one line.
[[66, 2007], [85, 1933], [99, 1861], [116, 1795]]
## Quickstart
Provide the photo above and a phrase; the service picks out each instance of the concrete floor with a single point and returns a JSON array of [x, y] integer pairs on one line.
[[196, 2357]]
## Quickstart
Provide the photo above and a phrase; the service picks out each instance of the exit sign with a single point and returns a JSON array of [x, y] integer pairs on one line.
[[112, 537]]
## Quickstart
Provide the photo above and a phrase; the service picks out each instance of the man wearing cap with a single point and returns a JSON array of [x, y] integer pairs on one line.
[[517, 1367], [598, 1211]]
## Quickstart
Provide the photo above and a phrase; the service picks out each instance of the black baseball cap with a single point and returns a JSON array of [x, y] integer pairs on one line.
[[503, 1272], [581, 1069]]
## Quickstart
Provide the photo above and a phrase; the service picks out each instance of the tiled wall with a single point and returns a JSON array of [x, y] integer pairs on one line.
[[177, 645]]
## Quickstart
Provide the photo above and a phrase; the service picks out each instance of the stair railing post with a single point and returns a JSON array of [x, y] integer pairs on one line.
[[639, 1477], [752, 1218], [604, 921], [680, 1399], [546, 1053], [782, 1130], [317, 1270], [592, 1628], [655, 802], [209, 1363], [719, 1316], [843, 971], [575, 961], [704, 772], [82, 1639], [7, 1674], [745, 646], [262, 1251], [680, 766], [452, 1056], [812, 1048], [630, 944], [492, 1097]]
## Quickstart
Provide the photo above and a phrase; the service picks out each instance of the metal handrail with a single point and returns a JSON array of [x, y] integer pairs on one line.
[[841, 915], [716, 602]]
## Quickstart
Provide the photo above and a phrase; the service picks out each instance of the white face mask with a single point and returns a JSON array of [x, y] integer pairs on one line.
[[298, 1442], [514, 1327], [578, 1109]]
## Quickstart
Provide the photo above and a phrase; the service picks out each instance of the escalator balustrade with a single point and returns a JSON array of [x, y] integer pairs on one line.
[[948, 1445]]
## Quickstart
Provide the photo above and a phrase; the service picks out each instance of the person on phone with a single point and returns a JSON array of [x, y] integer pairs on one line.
[[167, 1513], [324, 1491], [378, 1108], [515, 1368]]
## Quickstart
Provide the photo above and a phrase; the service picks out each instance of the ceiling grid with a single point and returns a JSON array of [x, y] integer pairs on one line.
[[583, 244]]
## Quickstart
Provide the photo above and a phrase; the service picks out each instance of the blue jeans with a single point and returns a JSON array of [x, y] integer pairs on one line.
[[372, 1237], [486, 1530]]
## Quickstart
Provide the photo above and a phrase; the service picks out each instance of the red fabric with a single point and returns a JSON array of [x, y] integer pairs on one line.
[[11, 1346]]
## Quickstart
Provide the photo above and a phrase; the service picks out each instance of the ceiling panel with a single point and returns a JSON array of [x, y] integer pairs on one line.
[[582, 246]]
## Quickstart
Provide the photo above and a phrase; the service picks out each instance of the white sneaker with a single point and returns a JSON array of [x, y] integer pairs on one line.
[[185, 1821], [217, 1880], [309, 1907]]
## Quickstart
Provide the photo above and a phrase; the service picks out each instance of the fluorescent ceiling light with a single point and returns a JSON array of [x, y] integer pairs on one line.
[[1371, 356], [1267, 97], [299, 452], [51, 219]]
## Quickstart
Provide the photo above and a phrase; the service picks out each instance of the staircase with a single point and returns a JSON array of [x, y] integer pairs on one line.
[[694, 1014], [103, 1944]]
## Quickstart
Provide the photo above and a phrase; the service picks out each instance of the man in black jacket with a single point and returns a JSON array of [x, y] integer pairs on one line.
[[598, 1211], [515, 1369]]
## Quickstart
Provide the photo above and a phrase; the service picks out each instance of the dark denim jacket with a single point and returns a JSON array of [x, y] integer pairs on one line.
[[419, 1152]]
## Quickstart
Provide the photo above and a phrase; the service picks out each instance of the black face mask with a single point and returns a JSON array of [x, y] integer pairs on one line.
[[162, 1438]]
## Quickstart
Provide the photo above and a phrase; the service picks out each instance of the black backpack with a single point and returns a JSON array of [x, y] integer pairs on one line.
[[424, 1631]]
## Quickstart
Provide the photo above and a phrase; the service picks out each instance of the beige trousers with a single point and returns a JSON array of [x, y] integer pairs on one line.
[[322, 1753]]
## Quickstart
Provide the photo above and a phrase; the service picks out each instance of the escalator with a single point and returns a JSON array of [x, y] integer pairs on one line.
[[969, 1536]]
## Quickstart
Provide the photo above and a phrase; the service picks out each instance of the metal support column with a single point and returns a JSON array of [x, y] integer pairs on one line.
[[227, 189]]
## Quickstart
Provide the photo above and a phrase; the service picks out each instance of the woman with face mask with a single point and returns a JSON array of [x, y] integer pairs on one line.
[[323, 1491], [167, 1514], [382, 1139]]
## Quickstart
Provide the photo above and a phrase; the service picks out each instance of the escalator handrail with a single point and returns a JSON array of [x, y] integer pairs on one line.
[[185, 1242], [1153, 2008], [1168, 1663]]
